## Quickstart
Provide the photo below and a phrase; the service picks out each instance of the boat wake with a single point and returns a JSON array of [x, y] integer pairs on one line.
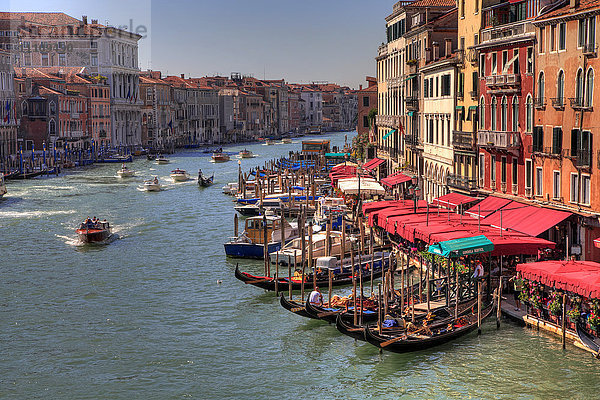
[[33, 214], [75, 242]]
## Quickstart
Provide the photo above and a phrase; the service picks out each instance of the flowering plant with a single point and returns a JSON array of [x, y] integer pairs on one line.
[[574, 313], [555, 305], [594, 318]]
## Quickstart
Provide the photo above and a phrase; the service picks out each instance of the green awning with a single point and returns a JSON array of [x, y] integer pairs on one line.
[[473, 108], [460, 108], [462, 247], [334, 155], [410, 77], [387, 135], [410, 113]]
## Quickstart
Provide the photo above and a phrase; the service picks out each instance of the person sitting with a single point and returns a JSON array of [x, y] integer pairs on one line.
[[156, 179], [316, 297], [298, 273], [478, 273]]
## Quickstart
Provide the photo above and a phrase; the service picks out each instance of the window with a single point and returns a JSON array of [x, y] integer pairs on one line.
[[589, 87], [574, 197], [503, 170], [541, 88], [461, 83], [539, 181], [515, 63], [482, 113], [560, 87], [528, 173], [494, 63], [581, 33], [366, 101], [592, 31], [62, 59], [529, 112], [482, 65], [44, 59], [93, 44], [542, 38], [538, 139], [504, 114], [493, 168], [445, 89], [481, 166], [504, 61], [556, 185], [365, 121], [515, 114], [562, 36], [585, 189], [52, 127], [553, 38], [530, 60], [494, 113], [557, 140], [52, 108], [426, 87], [579, 86], [515, 171], [462, 8]]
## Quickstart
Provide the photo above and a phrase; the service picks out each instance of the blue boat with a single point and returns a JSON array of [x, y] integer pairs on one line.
[[250, 244]]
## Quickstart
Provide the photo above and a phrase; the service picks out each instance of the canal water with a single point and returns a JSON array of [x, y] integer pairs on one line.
[[158, 314]]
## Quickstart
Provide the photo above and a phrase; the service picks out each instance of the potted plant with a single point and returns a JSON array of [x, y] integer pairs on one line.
[[555, 306]]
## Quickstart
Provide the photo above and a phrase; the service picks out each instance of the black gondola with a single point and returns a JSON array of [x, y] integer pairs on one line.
[[268, 283], [205, 181], [295, 307], [414, 341], [331, 314], [151, 157], [590, 341]]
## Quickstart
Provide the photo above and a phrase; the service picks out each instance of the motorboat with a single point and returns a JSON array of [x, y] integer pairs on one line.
[[249, 210], [125, 172], [269, 142], [93, 231], [179, 175], [231, 188], [2, 186], [205, 181], [250, 244], [246, 154], [220, 157], [333, 208], [152, 185], [160, 159], [286, 140], [293, 250]]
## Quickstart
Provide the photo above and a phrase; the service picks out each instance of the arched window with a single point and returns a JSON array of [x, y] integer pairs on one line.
[[52, 127], [589, 88], [515, 114], [541, 88], [482, 113], [560, 87], [529, 113], [579, 87], [494, 113], [52, 108], [504, 114]]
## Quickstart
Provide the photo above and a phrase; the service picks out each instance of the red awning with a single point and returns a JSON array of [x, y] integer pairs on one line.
[[526, 219], [372, 164], [379, 205], [488, 206], [453, 200], [581, 277], [597, 242], [395, 179]]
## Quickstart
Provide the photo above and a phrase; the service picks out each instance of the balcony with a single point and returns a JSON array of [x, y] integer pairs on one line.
[[460, 95], [463, 139], [507, 32], [503, 81], [394, 83], [382, 50], [499, 140], [461, 183], [577, 103], [473, 94], [503, 187], [539, 103], [515, 189], [583, 159], [590, 50], [558, 102], [413, 141], [472, 56], [412, 103], [389, 121], [413, 66]]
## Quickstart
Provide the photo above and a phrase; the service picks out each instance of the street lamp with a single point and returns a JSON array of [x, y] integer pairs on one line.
[[415, 191]]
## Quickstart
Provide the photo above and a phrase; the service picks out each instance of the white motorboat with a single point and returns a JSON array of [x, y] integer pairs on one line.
[[293, 250], [220, 157], [125, 172], [2, 186], [231, 188], [246, 154], [179, 175], [160, 159], [152, 185], [286, 141]]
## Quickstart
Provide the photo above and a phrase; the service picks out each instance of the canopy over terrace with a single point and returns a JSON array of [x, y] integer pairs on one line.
[[526, 219], [581, 277], [462, 247], [373, 164], [454, 200], [367, 186], [396, 179]]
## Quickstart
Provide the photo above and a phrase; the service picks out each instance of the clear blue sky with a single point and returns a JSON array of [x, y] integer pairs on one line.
[[301, 41]]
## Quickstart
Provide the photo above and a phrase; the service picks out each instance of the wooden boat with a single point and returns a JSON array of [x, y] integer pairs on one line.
[[342, 278], [220, 157], [179, 175], [246, 154], [205, 181], [250, 244], [590, 341], [29, 175], [293, 250], [125, 172], [293, 306], [11, 175], [423, 339], [251, 210], [89, 232], [330, 314], [161, 159]]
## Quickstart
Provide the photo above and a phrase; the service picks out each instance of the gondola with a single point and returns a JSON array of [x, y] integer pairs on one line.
[[295, 307], [151, 157], [589, 340], [331, 314], [11, 175], [268, 283], [29, 175], [417, 340], [205, 181]]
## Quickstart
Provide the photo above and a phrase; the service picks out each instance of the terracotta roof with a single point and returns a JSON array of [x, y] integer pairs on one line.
[[433, 3], [43, 18], [566, 10], [43, 90], [49, 72]]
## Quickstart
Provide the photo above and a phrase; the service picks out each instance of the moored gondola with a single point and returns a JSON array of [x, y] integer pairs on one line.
[[330, 314], [426, 337], [268, 283], [590, 341], [294, 306]]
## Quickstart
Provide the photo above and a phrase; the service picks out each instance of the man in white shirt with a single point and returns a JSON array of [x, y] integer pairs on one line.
[[478, 273], [316, 297]]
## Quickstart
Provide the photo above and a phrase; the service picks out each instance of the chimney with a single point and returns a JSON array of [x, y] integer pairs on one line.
[[359, 87], [436, 51], [428, 54], [84, 19], [574, 3], [94, 22], [448, 47], [182, 76]]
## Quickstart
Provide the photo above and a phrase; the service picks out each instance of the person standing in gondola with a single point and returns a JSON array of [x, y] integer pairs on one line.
[[316, 297]]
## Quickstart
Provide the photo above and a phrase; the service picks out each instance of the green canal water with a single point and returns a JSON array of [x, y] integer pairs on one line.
[[158, 314]]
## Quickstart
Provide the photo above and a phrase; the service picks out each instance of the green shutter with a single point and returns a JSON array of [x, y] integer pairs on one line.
[[574, 142]]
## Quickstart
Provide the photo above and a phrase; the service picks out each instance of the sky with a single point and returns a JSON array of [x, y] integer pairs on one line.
[[300, 41]]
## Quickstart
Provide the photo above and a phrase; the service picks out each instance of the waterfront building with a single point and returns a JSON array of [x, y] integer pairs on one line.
[[561, 168], [367, 101], [187, 124], [311, 110], [293, 111], [464, 136], [8, 107], [157, 111]]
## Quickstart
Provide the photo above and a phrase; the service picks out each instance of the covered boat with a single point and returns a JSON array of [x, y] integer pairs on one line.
[[246, 154], [179, 175], [160, 159], [250, 244], [293, 250], [93, 231], [220, 157]]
